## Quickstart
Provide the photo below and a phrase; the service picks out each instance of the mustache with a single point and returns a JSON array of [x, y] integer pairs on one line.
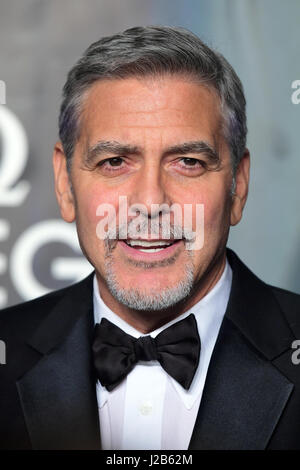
[[145, 229]]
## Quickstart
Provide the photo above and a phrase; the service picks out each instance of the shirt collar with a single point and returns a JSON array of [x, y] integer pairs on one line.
[[209, 313]]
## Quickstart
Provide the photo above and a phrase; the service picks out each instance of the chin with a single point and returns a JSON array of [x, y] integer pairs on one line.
[[151, 299]]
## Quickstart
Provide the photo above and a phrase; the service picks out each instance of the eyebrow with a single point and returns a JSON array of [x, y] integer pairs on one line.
[[194, 147], [104, 147]]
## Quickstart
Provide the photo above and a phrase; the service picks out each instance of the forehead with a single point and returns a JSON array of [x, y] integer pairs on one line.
[[164, 106]]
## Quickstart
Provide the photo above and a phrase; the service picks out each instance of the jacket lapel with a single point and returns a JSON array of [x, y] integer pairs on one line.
[[244, 394], [58, 394]]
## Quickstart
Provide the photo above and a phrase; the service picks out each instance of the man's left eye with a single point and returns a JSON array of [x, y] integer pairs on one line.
[[191, 162], [115, 161]]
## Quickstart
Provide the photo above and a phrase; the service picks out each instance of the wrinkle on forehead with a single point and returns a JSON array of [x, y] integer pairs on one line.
[[148, 95], [119, 107]]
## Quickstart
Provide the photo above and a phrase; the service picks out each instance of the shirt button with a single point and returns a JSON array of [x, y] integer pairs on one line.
[[146, 408]]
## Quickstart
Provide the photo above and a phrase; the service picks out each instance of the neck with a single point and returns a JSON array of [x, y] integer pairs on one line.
[[147, 321]]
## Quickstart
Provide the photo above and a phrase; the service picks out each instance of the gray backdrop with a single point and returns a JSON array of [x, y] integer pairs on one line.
[[41, 39]]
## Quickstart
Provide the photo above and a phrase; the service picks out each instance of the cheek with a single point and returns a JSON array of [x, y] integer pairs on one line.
[[216, 212], [91, 201]]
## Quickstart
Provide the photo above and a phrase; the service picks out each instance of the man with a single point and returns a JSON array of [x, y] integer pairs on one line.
[[173, 343]]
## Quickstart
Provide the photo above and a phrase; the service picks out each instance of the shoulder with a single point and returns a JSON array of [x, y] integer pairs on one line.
[[255, 291], [286, 298], [25, 317], [289, 303]]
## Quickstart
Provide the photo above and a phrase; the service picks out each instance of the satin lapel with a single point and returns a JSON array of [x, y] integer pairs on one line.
[[243, 398], [58, 394], [244, 394]]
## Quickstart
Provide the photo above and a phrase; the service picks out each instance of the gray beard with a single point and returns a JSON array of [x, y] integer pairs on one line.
[[138, 299]]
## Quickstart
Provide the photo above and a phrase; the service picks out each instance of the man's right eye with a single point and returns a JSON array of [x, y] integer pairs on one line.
[[111, 165], [114, 162]]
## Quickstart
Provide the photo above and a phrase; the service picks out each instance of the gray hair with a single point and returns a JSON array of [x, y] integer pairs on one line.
[[153, 51]]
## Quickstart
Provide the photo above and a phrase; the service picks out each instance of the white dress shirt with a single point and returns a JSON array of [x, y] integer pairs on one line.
[[149, 409]]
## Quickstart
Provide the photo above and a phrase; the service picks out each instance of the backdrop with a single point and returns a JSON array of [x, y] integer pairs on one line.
[[41, 39]]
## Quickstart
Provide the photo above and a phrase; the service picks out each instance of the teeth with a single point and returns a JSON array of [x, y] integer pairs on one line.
[[148, 243], [151, 250]]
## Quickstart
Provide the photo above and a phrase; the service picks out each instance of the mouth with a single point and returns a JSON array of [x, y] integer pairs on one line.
[[150, 250]]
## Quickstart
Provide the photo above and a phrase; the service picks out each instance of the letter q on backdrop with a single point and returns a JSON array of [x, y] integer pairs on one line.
[[17, 264]]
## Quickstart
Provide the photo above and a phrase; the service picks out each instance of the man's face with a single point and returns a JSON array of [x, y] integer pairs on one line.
[[154, 141]]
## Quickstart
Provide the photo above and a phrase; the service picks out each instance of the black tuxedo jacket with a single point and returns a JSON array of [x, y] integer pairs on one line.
[[251, 398]]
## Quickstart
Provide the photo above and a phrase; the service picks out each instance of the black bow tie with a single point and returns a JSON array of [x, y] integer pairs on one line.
[[115, 353]]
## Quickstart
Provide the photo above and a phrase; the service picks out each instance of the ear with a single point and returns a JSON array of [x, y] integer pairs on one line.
[[62, 182], [241, 190]]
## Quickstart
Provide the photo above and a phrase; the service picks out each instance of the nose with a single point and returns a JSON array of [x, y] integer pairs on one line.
[[150, 189]]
